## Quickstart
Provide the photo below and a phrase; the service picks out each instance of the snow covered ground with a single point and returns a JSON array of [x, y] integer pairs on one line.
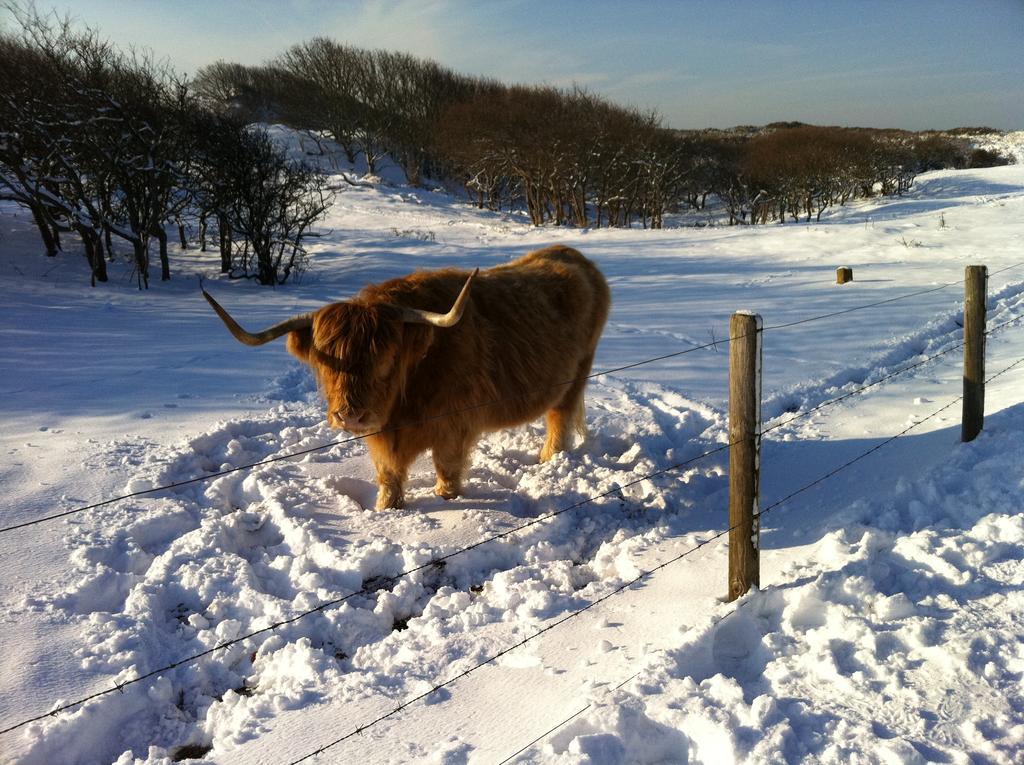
[[890, 623], [1008, 144]]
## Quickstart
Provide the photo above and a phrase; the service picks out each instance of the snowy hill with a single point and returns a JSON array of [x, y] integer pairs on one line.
[[1008, 144], [888, 627]]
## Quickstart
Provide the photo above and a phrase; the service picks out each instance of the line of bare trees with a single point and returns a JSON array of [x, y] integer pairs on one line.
[[566, 156], [105, 145]]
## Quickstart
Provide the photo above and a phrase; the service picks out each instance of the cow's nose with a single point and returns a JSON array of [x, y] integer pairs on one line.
[[353, 421]]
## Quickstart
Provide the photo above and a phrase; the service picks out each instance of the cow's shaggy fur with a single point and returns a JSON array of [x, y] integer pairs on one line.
[[523, 347]]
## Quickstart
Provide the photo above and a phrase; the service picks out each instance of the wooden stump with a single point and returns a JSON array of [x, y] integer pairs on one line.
[[744, 452], [975, 289], [844, 274]]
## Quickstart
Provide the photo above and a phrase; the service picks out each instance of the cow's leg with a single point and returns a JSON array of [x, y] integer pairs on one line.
[[390, 493], [392, 467], [450, 461], [567, 415], [560, 427]]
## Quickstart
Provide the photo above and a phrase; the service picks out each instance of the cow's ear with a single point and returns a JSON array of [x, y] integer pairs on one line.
[[300, 343]]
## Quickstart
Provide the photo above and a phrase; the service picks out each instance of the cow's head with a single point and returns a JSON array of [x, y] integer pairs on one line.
[[361, 352]]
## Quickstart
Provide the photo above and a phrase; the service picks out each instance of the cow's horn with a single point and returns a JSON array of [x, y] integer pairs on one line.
[[417, 316], [301, 321]]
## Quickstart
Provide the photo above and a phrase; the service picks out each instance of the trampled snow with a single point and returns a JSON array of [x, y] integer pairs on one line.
[[889, 626]]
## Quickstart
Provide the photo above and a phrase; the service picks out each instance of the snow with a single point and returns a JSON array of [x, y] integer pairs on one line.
[[889, 624], [1009, 144]]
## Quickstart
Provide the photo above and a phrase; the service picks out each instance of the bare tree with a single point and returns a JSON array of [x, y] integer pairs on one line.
[[272, 205]]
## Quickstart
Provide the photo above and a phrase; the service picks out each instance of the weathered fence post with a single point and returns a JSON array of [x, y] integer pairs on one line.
[[975, 288], [744, 451]]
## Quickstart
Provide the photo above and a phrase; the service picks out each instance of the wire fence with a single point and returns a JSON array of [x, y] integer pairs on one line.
[[438, 560], [339, 442], [636, 580], [771, 507], [462, 410]]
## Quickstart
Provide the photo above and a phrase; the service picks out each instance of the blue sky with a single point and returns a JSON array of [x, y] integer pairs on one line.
[[912, 64]]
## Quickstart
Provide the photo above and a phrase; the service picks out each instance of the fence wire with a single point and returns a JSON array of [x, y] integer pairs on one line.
[[572, 615], [621, 588], [617, 489], [768, 509], [833, 314], [886, 378], [823, 405], [339, 442], [118, 687], [1006, 268], [569, 719], [456, 412]]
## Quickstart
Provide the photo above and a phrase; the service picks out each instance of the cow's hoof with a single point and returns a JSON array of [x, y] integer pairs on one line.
[[389, 500], [548, 452], [447, 490]]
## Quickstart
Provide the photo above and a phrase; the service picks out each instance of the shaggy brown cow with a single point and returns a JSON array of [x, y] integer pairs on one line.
[[434, 359]]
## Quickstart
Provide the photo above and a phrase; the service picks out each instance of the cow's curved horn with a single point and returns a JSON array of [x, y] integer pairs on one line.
[[301, 321], [417, 316]]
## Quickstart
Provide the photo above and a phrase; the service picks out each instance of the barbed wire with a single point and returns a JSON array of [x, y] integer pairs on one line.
[[832, 401], [861, 389], [119, 687], [999, 326], [768, 509], [833, 314], [456, 412], [568, 719], [533, 636], [626, 585], [886, 378], [883, 443], [1003, 371], [1006, 268], [717, 623], [810, 319], [617, 489], [339, 442], [325, 605]]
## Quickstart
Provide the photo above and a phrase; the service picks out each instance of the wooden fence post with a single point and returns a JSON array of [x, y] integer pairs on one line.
[[975, 288], [744, 451]]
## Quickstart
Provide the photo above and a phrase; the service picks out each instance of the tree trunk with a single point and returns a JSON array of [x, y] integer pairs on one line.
[[94, 254], [165, 263], [265, 272], [202, 233], [46, 232], [349, 148], [412, 172], [141, 253], [225, 245], [108, 242], [181, 236]]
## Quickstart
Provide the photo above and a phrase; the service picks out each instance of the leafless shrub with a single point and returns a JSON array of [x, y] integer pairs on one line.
[[102, 143]]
